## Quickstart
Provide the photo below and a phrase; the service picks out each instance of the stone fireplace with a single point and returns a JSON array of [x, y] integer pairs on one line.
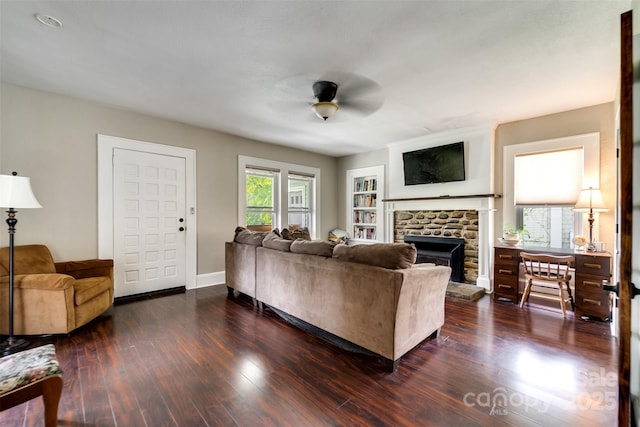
[[458, 217], [450, 232]]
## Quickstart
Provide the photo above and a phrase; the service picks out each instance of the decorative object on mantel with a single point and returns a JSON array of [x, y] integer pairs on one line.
[[590, 200], [15, 192], [446, 196]]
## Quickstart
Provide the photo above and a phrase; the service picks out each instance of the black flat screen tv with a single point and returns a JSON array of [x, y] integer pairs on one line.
[[444, 163]]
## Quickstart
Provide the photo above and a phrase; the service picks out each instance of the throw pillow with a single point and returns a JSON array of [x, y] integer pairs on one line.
[[249, 237], [313, 247], [298, 233], [388, 255], [273, 241]]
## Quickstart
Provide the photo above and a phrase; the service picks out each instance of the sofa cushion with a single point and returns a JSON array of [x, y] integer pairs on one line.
[[29, 259], [313, 247], [86, 289], [273, 241], [249, 237], [388, 255], [298, 233]]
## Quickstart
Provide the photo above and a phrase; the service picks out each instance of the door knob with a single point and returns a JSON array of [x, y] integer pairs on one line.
[[181, 228]]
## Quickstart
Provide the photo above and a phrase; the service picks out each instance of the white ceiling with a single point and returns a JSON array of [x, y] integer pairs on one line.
[[237, 66]]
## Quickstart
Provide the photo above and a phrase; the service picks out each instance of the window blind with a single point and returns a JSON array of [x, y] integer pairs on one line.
[[548, 178]]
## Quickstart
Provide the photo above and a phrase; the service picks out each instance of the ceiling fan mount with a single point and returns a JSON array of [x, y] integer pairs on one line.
[[324, 90]]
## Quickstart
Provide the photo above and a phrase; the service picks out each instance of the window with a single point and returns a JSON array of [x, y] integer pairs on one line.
[[542, 181], [261, 184], [260, 190], [548, 226], [300, 200], [546, 186]]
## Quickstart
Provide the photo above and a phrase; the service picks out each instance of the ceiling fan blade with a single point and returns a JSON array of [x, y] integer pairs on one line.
[[296, 87], [363, 107]]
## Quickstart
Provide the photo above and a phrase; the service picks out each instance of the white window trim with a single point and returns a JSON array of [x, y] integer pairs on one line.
[[282, 202], [589, 142]]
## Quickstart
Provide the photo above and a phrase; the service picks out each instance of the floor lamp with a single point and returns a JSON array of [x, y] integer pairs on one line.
[[15, 192], [590, 200]]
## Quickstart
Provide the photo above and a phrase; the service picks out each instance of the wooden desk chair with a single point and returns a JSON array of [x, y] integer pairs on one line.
[[29, 374], [544, 270]]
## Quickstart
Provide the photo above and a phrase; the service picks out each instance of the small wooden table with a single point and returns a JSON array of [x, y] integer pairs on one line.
[[591, 268]]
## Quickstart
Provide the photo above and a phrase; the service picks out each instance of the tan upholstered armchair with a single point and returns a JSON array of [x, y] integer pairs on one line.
[[52, 297]]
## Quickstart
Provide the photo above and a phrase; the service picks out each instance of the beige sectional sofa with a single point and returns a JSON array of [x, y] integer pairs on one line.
[[371, 295]]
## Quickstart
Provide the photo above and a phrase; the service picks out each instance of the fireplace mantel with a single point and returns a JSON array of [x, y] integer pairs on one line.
[[467, 196]]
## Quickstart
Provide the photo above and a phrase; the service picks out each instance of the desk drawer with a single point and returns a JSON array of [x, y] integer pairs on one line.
[[593, 304], [597, 265], [506, 256], [589, 283], [506, 286], [513, 296], [506, 270]]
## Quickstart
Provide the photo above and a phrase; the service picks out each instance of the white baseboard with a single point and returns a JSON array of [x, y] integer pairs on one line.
[[210, 279]]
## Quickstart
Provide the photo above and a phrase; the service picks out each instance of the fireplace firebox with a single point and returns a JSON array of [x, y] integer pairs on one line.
[[440, 251]]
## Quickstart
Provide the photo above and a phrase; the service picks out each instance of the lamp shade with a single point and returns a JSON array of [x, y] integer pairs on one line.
[[590, 199], [324, 110], [15, 192]]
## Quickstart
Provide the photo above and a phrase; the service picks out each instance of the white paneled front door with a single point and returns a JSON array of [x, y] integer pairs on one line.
[[149, 220]]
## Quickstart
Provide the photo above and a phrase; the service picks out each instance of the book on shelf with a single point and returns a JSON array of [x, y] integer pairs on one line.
[[365, 184], [366, 217], [364, 200], [365, 233]]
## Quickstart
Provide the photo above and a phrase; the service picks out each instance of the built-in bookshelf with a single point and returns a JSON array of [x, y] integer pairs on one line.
[[365, 189]]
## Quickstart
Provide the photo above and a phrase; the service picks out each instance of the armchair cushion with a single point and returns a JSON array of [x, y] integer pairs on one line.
[[86, 268], [47, 282], [29, 259], [88, 288]]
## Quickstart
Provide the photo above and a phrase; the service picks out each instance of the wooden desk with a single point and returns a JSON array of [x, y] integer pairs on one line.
[[591, 268]]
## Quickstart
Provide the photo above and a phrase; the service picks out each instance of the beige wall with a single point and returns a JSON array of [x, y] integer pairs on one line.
[[53, 140], [598, 118]]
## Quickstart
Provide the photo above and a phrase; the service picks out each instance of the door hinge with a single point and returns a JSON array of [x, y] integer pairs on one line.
[[616, 289]]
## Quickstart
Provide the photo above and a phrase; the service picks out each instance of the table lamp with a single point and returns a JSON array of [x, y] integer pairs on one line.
[[590, 200], [15, 192]]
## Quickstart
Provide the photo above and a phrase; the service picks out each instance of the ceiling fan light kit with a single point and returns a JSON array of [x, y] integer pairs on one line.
[[324, 109]]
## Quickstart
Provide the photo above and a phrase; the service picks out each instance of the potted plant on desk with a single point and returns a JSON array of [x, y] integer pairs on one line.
[[512, 236]]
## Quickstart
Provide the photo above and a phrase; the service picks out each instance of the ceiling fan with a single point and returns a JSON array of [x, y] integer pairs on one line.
[[353, 95]]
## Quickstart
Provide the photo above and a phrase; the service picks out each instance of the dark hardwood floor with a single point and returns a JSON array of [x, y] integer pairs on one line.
[[201, 359]]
